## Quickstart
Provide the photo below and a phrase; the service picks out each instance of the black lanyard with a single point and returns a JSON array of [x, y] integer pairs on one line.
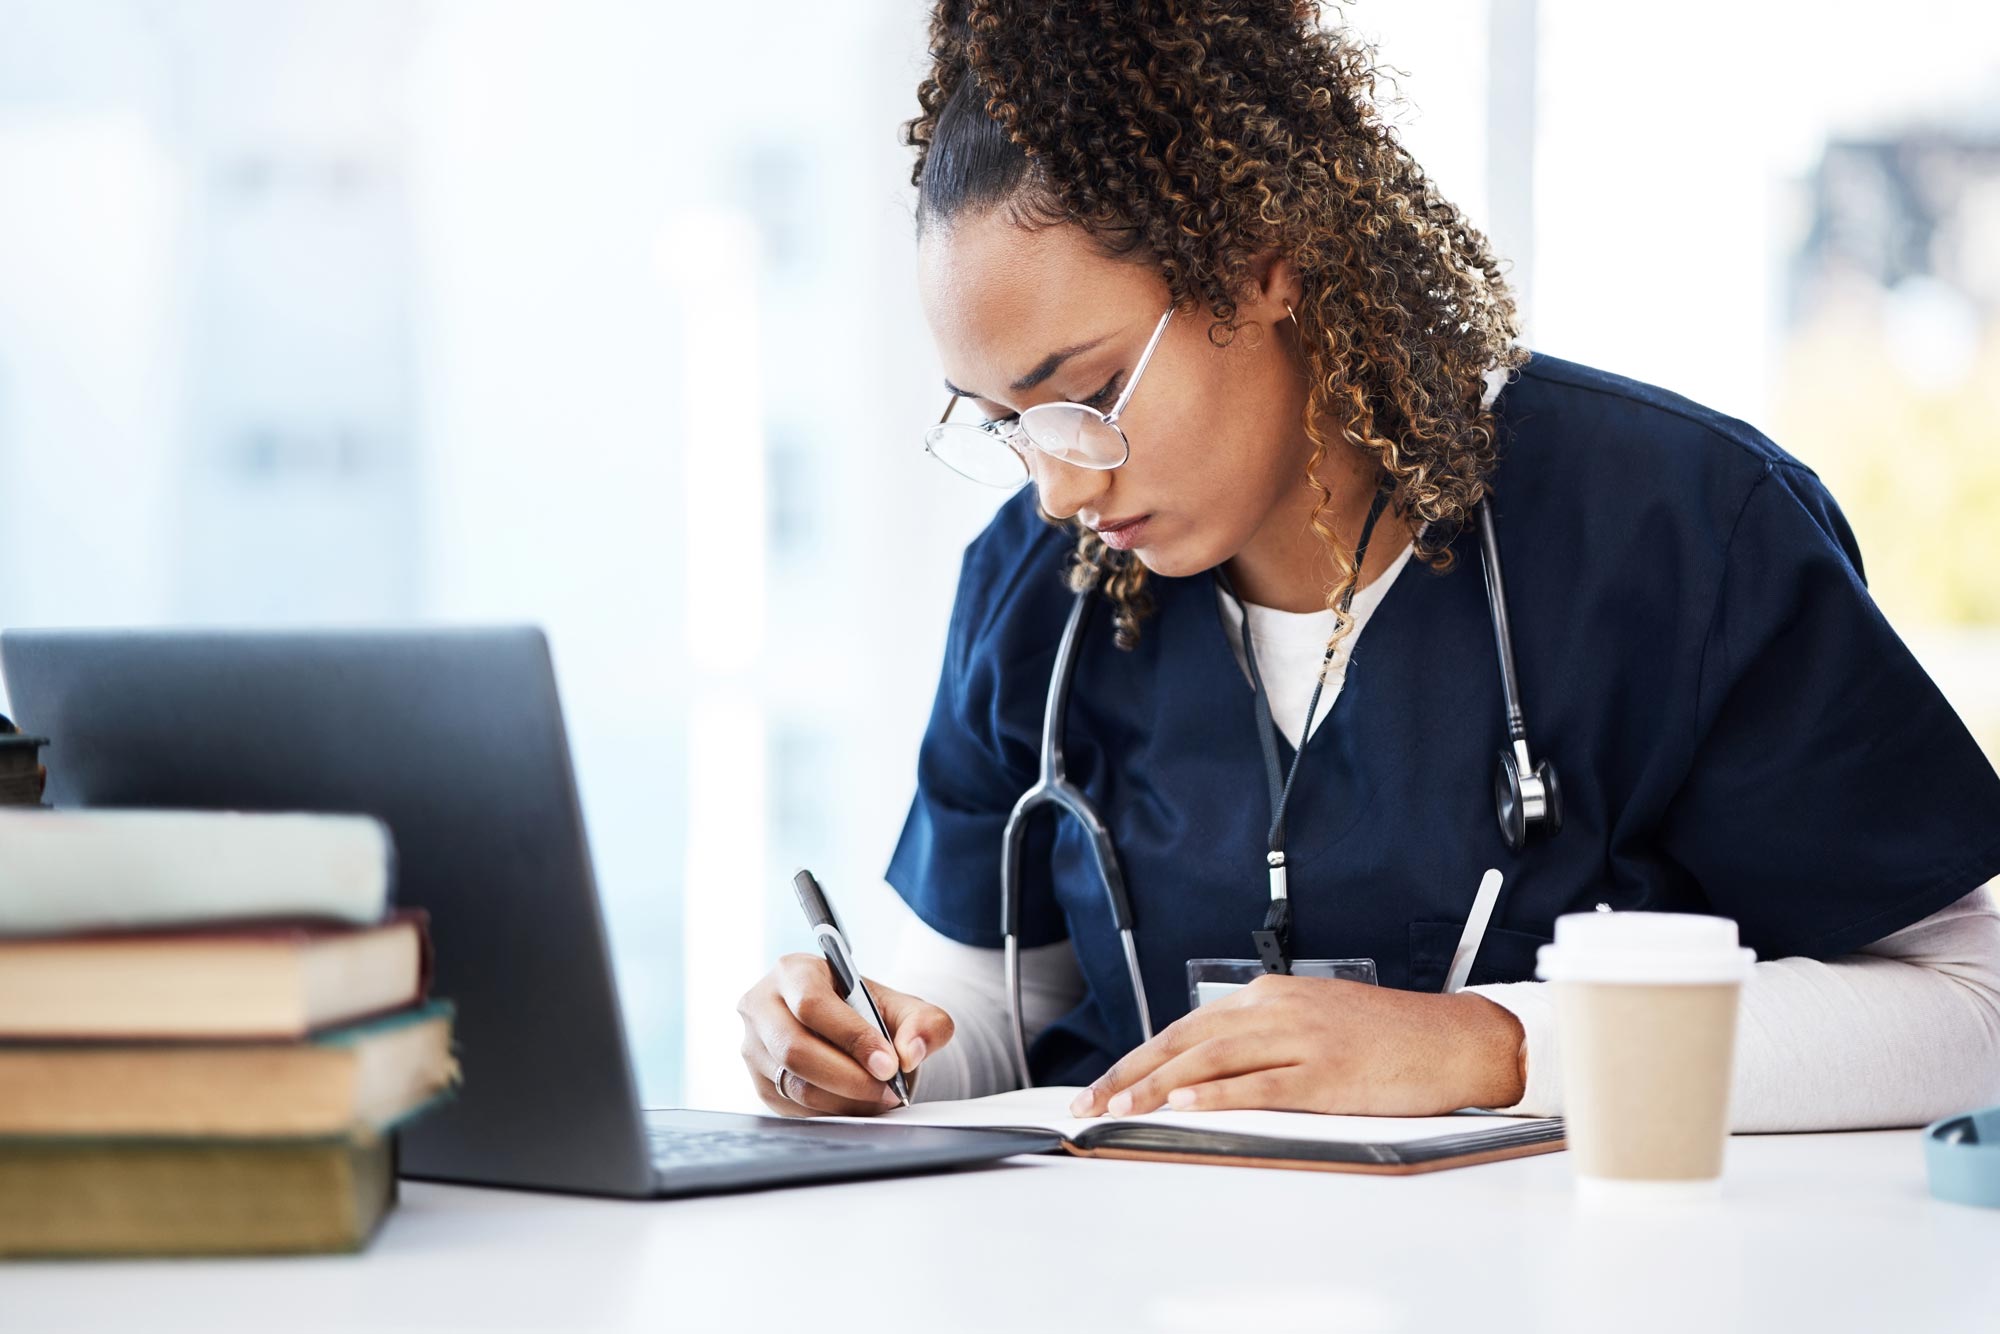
[[1273, 942]]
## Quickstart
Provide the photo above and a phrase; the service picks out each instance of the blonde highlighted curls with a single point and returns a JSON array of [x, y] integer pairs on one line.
[[1196, 135]]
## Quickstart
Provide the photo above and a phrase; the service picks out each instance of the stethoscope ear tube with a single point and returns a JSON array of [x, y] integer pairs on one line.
[[1503, 630], [1053, 788], [1010, 920]]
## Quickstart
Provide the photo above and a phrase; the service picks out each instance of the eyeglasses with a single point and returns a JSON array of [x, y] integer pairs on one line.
[[992, 453]]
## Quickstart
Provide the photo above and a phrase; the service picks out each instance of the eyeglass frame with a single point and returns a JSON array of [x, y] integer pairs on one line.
[[1008, 430]]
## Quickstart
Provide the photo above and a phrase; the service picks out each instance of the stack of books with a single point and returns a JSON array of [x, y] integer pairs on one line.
[[22, 775], [210, 1026]]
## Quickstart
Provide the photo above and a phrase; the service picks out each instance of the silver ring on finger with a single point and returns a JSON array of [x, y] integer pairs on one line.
[[779, 1084]]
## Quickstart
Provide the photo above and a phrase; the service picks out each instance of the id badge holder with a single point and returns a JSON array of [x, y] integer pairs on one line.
[[1212, 979]]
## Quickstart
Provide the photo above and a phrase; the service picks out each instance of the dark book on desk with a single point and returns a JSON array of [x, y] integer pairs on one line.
[[94, 1197], [248, 982], [1381, 1145], [369, 1076], [1152, 1142], [22, 774]]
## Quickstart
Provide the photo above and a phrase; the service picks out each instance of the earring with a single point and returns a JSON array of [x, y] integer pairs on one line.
[[1289, 311]]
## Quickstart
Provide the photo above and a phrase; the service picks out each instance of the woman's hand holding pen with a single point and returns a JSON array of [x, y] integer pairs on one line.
[[834, 1062], [1322, 1045]]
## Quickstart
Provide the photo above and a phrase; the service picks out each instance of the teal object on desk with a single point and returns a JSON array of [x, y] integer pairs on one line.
[[1962, 1154]]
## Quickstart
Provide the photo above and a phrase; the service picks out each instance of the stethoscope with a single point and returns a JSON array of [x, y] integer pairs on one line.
[[1527, 799]]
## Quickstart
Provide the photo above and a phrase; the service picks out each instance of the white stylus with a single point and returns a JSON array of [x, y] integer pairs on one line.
[[1475, 929]]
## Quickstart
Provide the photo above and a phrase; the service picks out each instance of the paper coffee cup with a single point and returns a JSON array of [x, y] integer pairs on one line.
[[1646, 1024]]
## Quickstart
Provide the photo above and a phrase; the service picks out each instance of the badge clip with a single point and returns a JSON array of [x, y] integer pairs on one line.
[[1274, 940]]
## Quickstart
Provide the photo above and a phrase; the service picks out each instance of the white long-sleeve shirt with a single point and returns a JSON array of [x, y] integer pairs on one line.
[[1899, 1033]]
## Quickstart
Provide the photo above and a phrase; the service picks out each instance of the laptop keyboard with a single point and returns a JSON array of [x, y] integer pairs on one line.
[[675, 1148]]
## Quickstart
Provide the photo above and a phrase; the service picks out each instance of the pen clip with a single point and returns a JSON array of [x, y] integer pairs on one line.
[[834, 946]]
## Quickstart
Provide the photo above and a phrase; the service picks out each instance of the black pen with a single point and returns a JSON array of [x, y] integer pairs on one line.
[[846, 977]]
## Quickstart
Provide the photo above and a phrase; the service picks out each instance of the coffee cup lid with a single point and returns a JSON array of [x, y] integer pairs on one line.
[[1644, 947]]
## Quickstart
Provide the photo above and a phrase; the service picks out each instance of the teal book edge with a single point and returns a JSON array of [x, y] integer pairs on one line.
[[338, 1036], [382, 1023], [355, 1137]]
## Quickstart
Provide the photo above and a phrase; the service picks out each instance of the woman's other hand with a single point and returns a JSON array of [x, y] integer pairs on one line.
[[1314, 1044]]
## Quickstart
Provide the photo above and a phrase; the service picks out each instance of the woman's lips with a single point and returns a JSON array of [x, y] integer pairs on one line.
[[1126, 535]]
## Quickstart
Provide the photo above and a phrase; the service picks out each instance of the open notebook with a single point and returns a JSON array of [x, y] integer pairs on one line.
[[1392, 1145]]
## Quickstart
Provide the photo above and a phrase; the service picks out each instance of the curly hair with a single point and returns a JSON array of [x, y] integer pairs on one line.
[[1195, 135]]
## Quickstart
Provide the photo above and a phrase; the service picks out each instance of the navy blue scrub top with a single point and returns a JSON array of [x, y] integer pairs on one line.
[[1737, 730]]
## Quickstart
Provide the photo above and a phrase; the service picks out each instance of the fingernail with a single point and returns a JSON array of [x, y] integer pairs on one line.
[[881, 1064], [1120, 1104], [1181, 1098], [1080, 1104], [917, 1052]]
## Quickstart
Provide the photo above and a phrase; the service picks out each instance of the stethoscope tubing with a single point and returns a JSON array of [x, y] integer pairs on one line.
[[1053, 788]]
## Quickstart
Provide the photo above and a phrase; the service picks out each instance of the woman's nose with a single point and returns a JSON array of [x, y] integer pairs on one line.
[[1065, 488]]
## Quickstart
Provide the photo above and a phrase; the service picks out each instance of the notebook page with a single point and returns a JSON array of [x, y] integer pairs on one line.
[[1048, 1108]]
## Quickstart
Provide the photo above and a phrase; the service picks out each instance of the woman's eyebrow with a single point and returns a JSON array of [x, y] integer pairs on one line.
[[1050, 364]]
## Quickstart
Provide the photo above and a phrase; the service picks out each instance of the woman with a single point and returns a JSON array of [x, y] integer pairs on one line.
[[1331, 386]]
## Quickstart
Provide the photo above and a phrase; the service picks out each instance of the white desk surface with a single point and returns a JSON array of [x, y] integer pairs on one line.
[[1813, 1233]]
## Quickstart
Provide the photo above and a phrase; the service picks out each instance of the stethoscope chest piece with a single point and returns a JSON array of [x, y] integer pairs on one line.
[[1525, 801]]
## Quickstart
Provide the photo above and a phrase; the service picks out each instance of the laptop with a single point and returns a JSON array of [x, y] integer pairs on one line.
[[454, 738]]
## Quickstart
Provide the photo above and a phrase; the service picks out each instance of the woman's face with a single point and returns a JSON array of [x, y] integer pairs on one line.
[[1216, 432]]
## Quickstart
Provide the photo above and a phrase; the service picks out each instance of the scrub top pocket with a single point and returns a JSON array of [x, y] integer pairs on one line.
[[1504, 955]]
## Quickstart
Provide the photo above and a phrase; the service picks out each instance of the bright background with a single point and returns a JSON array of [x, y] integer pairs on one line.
[[601, 315]]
